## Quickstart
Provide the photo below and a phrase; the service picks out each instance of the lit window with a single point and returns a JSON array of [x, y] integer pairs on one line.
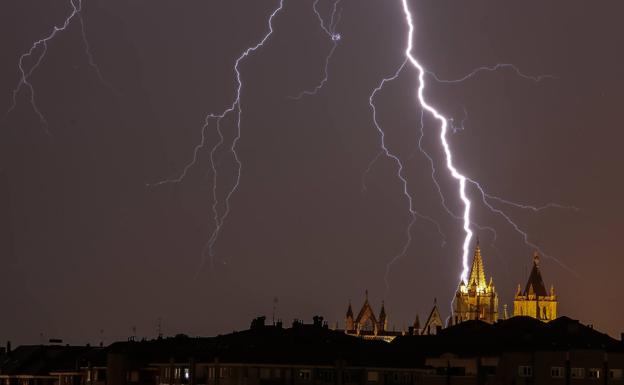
[[305, 374], [187, 373], [557, 372], [593, 373], [372, 376], [525, 371], [224, 372], [577, 373], [616, 374], [176, 373]]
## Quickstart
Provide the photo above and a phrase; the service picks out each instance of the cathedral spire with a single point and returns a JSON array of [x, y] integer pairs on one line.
[[535, 281], [477, 274], [476, 300], [535, 301]]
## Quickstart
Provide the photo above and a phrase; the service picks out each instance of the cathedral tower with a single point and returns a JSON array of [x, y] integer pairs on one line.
[[476, 299], [535, 301]]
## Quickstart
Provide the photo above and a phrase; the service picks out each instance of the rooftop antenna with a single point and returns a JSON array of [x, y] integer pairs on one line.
[[275, 302], [159, 327]]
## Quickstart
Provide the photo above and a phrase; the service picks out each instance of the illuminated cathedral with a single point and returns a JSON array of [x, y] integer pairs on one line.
[[476, 299], [535, 301], [367, 325]]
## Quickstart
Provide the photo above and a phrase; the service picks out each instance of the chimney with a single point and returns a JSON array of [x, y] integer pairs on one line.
[[318, 321], [622, 337], [8, 347]]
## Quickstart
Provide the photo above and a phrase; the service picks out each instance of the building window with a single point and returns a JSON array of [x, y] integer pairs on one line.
[[277, 373], [525, 371], [372, 376], [265, 373], [167, 374], [187, 373], [305, 374], [616, 374], [176, 373], [211, 373], [577, 373], [225, 372], [593, 373], [557, 371], [326, 375]]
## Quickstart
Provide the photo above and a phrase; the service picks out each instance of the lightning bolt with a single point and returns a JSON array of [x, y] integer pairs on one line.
[[485, 197], [458, 176], [454, 172], [235, 109], [439, 189], [330, 30], [462, 179], [37, 53]]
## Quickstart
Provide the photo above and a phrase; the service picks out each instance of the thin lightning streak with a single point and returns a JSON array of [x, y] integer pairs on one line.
[[87, 46], [399, 173], [443, 130], [234, 107], [330, 31], [493, 68], [368, 170], [530, 207], [38, 51], [523, 233]]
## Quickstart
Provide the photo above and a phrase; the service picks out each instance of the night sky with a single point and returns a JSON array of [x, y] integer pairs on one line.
[[86, 246]]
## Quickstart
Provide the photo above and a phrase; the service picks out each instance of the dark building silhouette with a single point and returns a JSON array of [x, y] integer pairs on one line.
[[521, 350]]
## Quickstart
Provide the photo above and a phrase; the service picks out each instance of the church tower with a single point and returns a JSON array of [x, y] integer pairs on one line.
[[535, 301], [476, 299]]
